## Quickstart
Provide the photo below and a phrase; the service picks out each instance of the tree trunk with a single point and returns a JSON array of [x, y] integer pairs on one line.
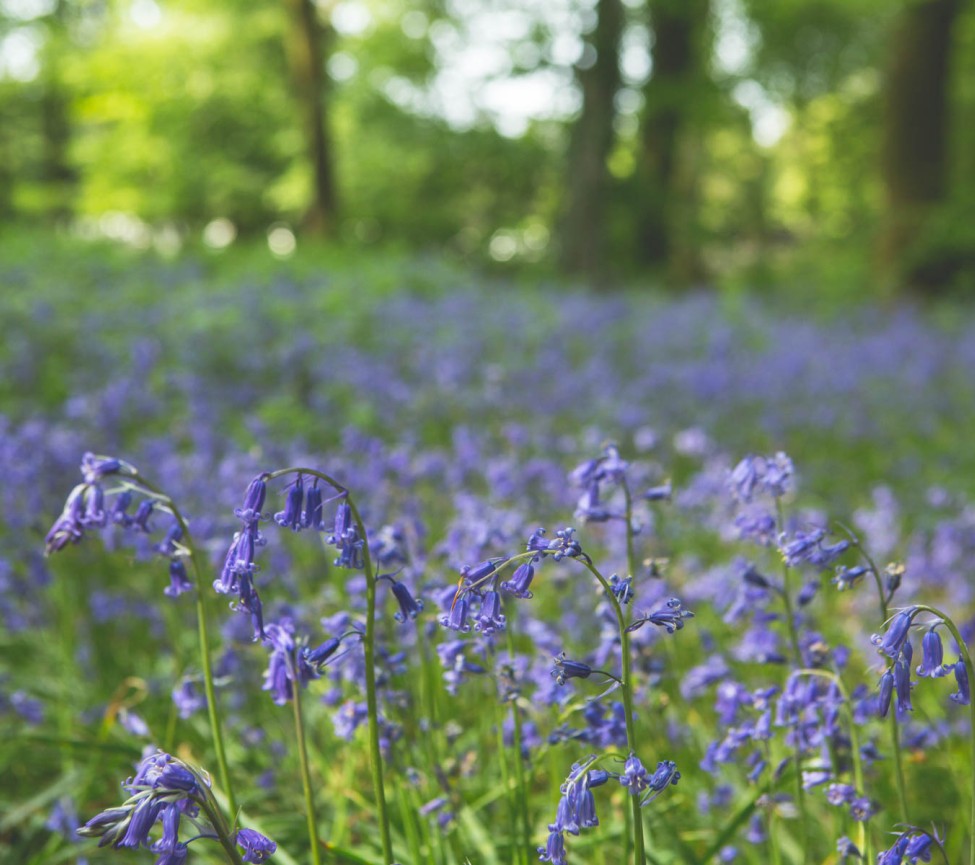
[[583, 248], [56, 175], [306, 40], [915, 148], [667, 175]]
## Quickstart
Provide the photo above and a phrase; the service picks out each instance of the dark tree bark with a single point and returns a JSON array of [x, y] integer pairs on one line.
[[56, 173], [306, 42], [583, 235], [667, 176], [916, 126]]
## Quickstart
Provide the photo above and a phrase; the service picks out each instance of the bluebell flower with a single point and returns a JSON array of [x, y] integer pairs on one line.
[[289, 662], [250, 511], [801, 547], [848, 577], [756, 525], [847, 849], [142, 514], [256, 847], [622, 589], [566, 669], [95, 467], [323, 653], [312, 517], [456, 618], [754, 474], [453, 658], [963, 695], [163, 789], [63, 818], [119, 514], [189, 697], [562, 546], [665, 775], [932, 656], [894, 855], [554, 849], [807, 593], [179, 582], [291, 516], [661, 493], [862, 809], [348, 718], [95, 516], [590, 509], [755, 834], [346, 538], [634, 776], [490, 618], [140, 824], [69, 527], [520, 581], [902, 683], [919, 847], [671, 617], [893, 641], [745, 478], [170, 831], [886, 692], [174, 856], [409, 607], [169, 545], [474, 575]]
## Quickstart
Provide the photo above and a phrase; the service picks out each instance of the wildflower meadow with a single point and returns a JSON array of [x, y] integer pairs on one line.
[[384, 564]]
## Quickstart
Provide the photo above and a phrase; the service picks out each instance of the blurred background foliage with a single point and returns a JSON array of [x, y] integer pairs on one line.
[[824, 144]]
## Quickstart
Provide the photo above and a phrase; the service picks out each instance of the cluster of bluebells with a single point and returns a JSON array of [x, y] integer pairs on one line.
[[477, 602], [169, 792], [577, 806], [896, 645], [911, 846], [594, 476], [91, 506], [292, 662], [240, 566]]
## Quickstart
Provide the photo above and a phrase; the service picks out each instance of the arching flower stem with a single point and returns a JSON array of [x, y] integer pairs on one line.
[[139, 484], [369, 650]]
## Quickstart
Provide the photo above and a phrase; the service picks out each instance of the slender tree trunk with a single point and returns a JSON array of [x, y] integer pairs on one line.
[[583, 248], [915, 150], [667, 172], [306, 41], [56, 174]]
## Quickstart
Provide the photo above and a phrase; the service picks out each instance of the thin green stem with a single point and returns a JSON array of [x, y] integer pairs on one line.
[[522, 793], [966, 659], [797, 652], [639, 851], [369, 649], [225, 835], [771, 836], [213, 711], [372, 702], [855, 755], [310, 819], [510, 795], [895, 733]]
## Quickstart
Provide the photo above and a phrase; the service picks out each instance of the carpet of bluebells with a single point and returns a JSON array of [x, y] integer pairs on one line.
[[678, 575]]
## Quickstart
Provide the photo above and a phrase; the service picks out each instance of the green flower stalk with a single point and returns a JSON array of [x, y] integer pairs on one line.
[[87, 507]]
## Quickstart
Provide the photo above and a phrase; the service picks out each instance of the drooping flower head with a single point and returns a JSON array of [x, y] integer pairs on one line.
[[256, 847]]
